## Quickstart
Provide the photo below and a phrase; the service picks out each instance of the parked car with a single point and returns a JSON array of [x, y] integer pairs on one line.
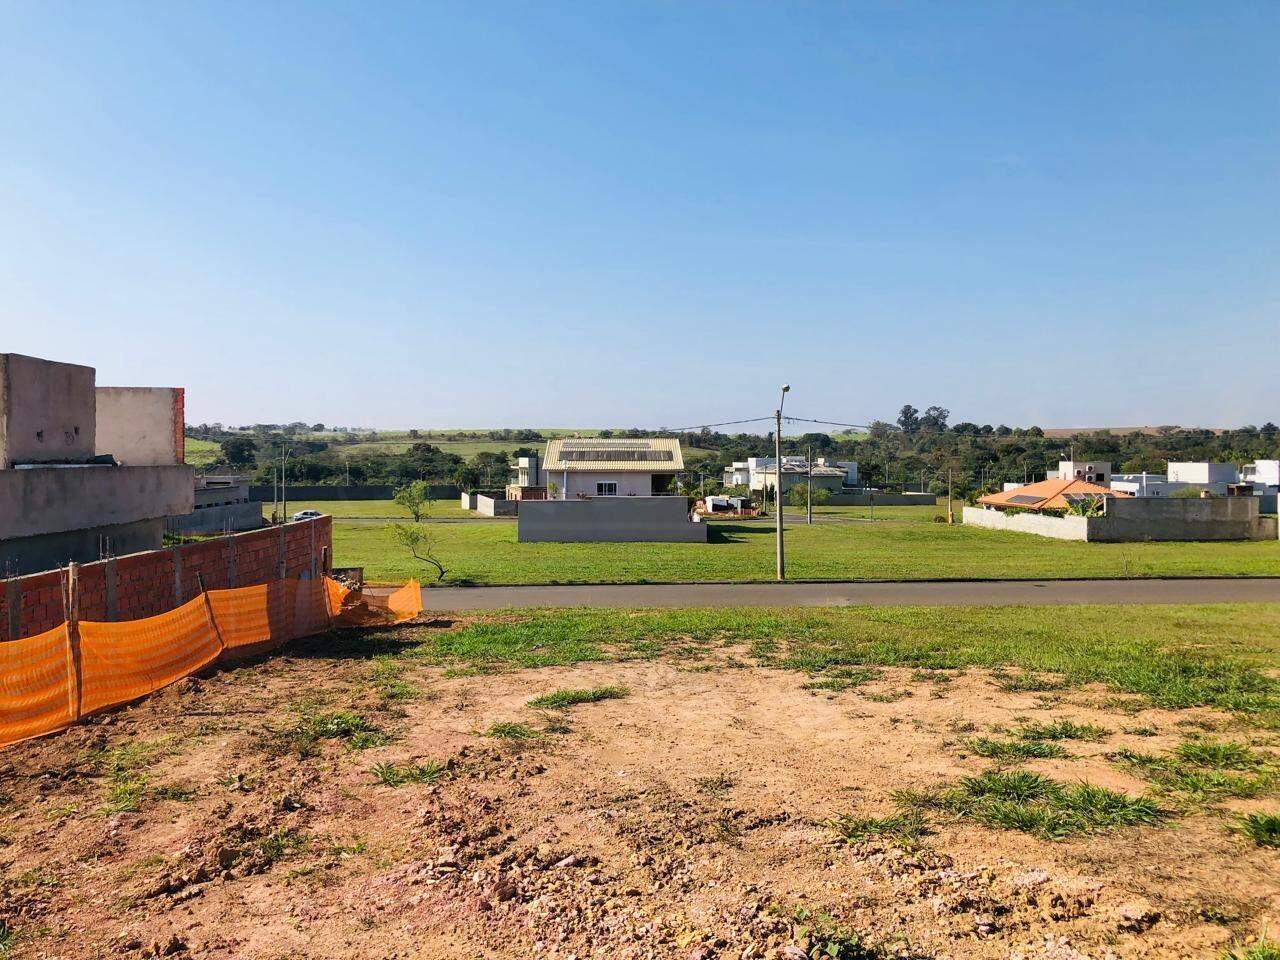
[[307, 515]]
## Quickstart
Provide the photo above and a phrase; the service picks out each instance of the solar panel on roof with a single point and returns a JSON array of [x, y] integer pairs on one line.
[[1024, 498], [605, 444], [617, 455]]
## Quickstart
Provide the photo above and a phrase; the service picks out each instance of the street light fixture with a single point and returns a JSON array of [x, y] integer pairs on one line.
[[777, 486]]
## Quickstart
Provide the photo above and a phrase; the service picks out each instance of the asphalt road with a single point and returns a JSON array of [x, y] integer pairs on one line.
[[929, 593]]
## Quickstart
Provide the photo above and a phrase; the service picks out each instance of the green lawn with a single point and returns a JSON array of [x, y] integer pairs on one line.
[[921, 514], [374, 509], [891, 550]]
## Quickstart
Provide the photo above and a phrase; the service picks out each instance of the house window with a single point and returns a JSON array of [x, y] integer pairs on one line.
[[606, 488]]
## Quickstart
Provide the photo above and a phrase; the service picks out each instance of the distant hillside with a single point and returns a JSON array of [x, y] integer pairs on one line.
[[1120, 431]]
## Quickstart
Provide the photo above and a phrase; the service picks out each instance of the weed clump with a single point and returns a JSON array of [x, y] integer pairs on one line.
[[397, 775], [1015, 750], [560, 699], [1019, 800], [1262, 828]]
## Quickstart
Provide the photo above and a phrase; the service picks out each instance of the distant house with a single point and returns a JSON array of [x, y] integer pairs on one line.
[[761, 473], [610, 490], [598, 467], [1046, 495]]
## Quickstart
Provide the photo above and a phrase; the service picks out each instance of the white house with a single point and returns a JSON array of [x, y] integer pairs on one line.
[[1263, 474], [595, 467], [1090, 471], [759, 473]]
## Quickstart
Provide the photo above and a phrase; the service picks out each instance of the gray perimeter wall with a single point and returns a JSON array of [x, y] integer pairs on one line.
[[491, 506], [609, 519], [1142, 518], [225, 518]]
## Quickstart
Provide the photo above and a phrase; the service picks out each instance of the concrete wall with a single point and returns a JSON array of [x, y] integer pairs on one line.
[[1060, 528], [1140, 519], [609, 519], [220, 518], [467, 499], [492, 506], [883, 500], [141, 426], [45, 500], [145, 584], [1202, 472], [1156, 518], [46, 411], [25, 555]]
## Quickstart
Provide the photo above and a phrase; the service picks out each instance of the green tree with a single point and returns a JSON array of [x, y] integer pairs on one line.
[[796, 496], [414, 497], [238, 450]]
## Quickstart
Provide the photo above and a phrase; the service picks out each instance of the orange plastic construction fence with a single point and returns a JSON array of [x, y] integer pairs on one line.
[[403, 604], [120, 662], [36, 695], [52, 680]]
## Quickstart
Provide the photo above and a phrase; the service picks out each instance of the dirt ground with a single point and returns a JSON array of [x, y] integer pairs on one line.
[[689, 819]]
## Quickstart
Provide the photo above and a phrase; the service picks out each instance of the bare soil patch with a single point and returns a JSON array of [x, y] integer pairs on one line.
[[247, 814]]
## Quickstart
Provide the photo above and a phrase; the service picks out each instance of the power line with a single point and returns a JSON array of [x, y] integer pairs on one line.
[[830, 423], [702, 426]]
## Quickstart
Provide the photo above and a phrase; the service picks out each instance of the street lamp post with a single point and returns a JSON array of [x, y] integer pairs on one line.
[[284, 497], [777, 487]]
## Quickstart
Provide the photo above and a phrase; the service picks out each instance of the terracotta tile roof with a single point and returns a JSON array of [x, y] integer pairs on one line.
[[1047, 494]]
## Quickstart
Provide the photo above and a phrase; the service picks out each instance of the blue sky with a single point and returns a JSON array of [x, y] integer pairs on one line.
[[488, 214]]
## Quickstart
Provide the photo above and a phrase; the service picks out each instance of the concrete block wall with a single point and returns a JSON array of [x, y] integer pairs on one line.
[[46, 411], [145, 584], [141, 426]]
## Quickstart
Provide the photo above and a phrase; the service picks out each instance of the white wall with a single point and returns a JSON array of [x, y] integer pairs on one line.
[[629, 484], [1186, 472], [140, 426]]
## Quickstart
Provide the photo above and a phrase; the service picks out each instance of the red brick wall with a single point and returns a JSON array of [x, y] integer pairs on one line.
[[144, 584]]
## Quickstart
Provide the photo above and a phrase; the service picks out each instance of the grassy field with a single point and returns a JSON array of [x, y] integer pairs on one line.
[[889, 550], [374, 509], [1173, 656], [201, 453]]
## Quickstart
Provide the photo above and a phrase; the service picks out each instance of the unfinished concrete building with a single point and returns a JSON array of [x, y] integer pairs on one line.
[[85, 471]]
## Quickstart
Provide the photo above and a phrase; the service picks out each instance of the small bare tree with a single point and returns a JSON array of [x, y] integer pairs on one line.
[[416, 538]]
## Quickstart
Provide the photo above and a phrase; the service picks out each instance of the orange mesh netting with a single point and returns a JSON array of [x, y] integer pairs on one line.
[[252, 620], [119, 662], [35, 696], [122, 661]]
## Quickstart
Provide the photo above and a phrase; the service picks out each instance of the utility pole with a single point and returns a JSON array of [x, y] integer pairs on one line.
[[951, 517], [808, 500], [284, 497], [777, 489]]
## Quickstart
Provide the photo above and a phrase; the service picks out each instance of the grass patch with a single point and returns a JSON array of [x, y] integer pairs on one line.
[[345, 725], [1029, 683], [1204, 770], [388, 680], [515, 732], [1035, 804], [1015, 750], [841, 679], [397, 775], [715, 784], [560, 699], [1262, 950], [1062, 730], [1262, 828], [905, 827]]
